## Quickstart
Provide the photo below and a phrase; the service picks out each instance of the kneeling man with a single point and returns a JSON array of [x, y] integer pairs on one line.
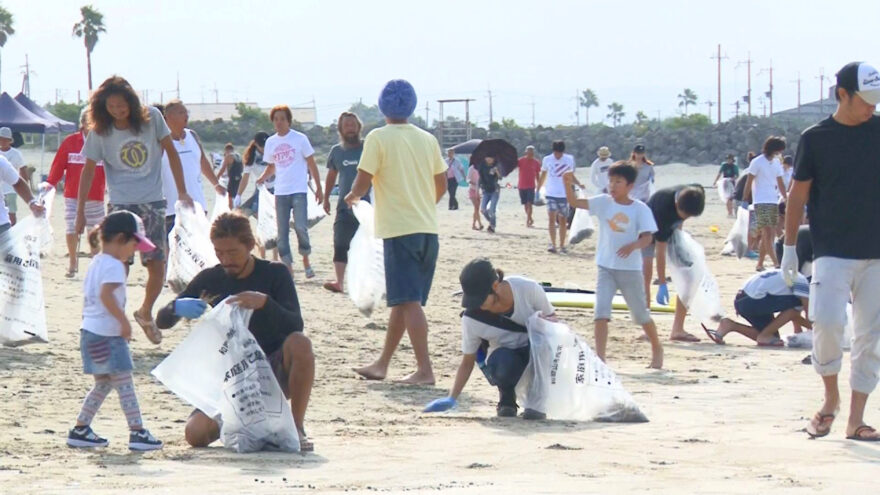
[[277, 324]]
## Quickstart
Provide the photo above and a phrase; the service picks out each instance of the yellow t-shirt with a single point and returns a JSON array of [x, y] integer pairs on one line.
[[403, 161]]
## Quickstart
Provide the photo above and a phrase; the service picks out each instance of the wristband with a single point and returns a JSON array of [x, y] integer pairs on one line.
[[32, 202]]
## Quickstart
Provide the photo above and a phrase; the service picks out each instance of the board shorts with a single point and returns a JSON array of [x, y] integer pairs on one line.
[[526, 196], [94, 211], [767, 215], [558, 205], [409, 267], [103, 355], [153, 216]]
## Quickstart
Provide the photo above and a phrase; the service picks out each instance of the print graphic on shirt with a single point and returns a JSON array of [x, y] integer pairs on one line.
[[349, 163], [284, 155], [617, 220], [559, 168], [133, 153], [76, 158]]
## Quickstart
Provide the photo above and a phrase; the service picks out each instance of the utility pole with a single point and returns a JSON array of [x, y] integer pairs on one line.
[[718, 57], [533, 112], [736, 104], [748, 98], [822, 79], [710, 103], [798, 81], [26, 77], [490, 106], [769, 94]]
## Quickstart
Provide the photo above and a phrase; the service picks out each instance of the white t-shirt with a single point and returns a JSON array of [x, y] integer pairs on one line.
[[786, 177], [191, 160], [8, 176], [17, 161], [620, 225], [599, 173], [104, 269], [764, 189], [555, 167], [528, 297], [289, 153], [772, 283]]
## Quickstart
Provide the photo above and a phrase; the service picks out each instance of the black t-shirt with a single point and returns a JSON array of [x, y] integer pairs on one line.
[[662, 204], [843, 163], [740, 188], [270, 325], [488, 180], [235, 168]]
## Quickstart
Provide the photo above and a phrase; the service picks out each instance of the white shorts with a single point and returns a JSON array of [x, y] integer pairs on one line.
[[95, 213]]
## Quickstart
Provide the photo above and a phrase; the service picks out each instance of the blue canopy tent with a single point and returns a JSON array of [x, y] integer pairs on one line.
[[18, 118], [63, 125]]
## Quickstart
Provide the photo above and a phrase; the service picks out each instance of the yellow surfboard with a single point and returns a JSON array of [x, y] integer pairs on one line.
[[584, 300]]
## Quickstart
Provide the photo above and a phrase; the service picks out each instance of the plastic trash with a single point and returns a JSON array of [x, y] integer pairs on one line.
[[23, 319], [694, 283], [726, 189], [365, 271], [221, 206], [189, 246], [267, 227], [737, 242], [540, 196], [314, 210], [220, 369], [567, 381], [581, 225], [804, 340]]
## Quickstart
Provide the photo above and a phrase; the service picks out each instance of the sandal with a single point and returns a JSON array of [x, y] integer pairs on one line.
[[70, 273], [820, 425], [713, 335], [858, 435], [310, 272], [305, 445], [150, 329], [332, 287]]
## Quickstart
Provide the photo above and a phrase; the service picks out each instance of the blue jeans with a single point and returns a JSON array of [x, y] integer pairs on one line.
[[489, 211], [298, 203], [506, 366]]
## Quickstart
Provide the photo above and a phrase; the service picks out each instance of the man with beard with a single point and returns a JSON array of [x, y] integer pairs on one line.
[[265, 287], [343, 163]]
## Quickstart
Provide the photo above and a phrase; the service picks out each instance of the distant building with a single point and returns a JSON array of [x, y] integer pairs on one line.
[[306, 116]]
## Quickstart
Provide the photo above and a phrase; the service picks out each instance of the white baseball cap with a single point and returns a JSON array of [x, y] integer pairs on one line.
[[5, 132], [862, 79]]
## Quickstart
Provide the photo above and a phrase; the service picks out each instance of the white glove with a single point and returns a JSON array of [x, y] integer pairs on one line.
[[789, 264], [236, 201]]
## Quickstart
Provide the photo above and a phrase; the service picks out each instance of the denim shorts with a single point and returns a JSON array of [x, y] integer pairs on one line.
[[104, 355], [409, 267]]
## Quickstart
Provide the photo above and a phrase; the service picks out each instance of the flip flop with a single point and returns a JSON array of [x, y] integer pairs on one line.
[[685, 338], [857, 435], [332, 287], [773, 343], [817, 427], [713, 335], [150, 329]]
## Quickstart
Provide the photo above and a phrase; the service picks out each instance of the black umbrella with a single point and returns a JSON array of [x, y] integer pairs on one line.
[[503, 152], [467, 147]]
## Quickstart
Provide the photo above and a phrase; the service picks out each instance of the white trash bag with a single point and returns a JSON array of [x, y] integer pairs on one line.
[[365, 271], [804, 340], [46, 197], [567, 381], [189, 247], [694, 283], [220, 369], [22, 304], [267, 227], [737, 242], [581, 225], [726, 189], [314, 210], [221, 206], [540, 197]]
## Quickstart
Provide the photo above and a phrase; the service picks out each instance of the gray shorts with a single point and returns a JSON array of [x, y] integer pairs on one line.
[[631, 284]]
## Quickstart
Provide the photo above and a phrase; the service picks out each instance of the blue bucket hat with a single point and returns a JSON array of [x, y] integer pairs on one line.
[[398, 99]]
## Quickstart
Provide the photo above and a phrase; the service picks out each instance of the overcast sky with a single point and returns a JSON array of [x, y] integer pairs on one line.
[[638, 53]]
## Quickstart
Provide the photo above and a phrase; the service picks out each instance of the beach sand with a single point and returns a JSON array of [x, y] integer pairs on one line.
[[723, 419]]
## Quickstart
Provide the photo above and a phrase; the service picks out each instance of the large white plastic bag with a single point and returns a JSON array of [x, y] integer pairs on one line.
[[726, 189], [737, 241], [22, 305], [220, 369], [46, 197], [221, 206], [581, 225], [314, 210], [189, 247], [267, 227], [567, 381], [365, 271], [694, 283]]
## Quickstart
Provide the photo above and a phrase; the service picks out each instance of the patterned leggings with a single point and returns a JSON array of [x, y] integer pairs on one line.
[[124, 386]]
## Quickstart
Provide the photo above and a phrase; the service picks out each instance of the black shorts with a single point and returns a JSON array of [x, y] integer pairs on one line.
[[344, 228], [761, 312], [526, 196], [232, 186]]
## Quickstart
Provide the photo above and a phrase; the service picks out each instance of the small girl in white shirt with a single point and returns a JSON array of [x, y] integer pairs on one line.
[[105, 332]]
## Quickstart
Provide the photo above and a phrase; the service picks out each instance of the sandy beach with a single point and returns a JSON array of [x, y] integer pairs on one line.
[[723, 419]]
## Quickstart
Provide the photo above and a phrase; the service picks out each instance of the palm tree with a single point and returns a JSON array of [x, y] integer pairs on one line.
[[589, 99], [88, 28], [686, 99], [6, 29], [616, 113], [641, 117]]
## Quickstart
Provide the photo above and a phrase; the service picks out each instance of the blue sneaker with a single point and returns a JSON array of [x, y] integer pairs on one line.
[[82, 437], [143, 440], [752, 255]]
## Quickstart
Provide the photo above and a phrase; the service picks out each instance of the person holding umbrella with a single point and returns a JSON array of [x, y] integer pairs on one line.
[[494, 159]]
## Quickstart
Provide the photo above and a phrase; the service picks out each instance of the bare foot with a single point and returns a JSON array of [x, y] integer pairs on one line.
[[656, 359], [724, 328], [371, 372], [682, 336], [418, 378]]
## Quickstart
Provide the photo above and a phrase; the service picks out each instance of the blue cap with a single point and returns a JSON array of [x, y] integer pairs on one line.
[[398, 99]]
